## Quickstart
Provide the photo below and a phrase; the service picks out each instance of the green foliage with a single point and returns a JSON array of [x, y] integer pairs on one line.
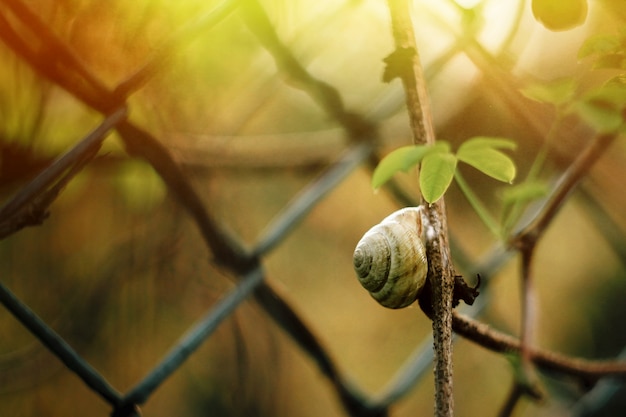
[[437, 172], [482, 153], [402, 159], [602, 108], [558, 93], [439, 163], [608, 50]]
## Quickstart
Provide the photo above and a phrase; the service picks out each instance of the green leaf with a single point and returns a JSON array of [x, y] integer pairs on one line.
[[601, 116], [436, 174], [557, 93], [524, 192], [482, 154], [599, 44], [608, 49], [401, 159], [617, 82], [603, 108], [480, 142]]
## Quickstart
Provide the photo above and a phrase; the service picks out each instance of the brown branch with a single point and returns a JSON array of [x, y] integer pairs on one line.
[[515, 394], [61, 58], [26, 34], [327, 96], [404, 62], [526, 241], [586, 370], [572, 176], [528, 382]]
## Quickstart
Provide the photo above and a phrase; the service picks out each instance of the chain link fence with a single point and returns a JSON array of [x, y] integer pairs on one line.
[[174, 209]]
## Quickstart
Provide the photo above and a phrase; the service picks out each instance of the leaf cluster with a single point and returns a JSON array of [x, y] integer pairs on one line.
[[602, 108], [439, 163]]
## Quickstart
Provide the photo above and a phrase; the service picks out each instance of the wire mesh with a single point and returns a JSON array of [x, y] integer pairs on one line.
[[52, 58]]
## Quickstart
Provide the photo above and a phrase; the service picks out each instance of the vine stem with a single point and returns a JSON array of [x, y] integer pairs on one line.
[[477, 205], [404, 62]]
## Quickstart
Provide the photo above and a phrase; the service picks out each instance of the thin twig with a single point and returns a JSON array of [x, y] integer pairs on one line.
[[595, 399], [526, 242], [324, 94], [55, 47], [50, 56], [515, 394], [405, 63], [571, 177], [528, 377], [588, 371]]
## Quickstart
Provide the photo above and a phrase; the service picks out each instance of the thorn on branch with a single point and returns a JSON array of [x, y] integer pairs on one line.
[[399, 63], [462, 292]]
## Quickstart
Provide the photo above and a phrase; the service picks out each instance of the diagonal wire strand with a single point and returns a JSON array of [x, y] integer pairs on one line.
[[300, 206], [174, 45], [59, 347], [194, 338], [50, 174], [329, 98], [227, 251]]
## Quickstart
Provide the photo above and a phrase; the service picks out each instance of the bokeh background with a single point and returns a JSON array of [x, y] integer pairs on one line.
[[120, 271]]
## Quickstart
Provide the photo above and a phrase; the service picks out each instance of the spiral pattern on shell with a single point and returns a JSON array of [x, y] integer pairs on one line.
[[390, 260]]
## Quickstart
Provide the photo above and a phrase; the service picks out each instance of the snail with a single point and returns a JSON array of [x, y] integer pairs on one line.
[[390, 259]]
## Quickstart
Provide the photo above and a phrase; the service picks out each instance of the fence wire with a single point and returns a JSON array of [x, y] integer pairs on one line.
[[29, 37]]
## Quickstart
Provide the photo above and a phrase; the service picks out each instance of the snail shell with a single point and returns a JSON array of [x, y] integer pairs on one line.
[[390, 259]]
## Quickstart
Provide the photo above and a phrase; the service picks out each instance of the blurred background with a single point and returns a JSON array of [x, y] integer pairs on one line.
[[120, 270]]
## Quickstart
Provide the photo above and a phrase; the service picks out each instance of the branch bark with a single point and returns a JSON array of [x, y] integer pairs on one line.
[[404, 62], [526, 242]]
